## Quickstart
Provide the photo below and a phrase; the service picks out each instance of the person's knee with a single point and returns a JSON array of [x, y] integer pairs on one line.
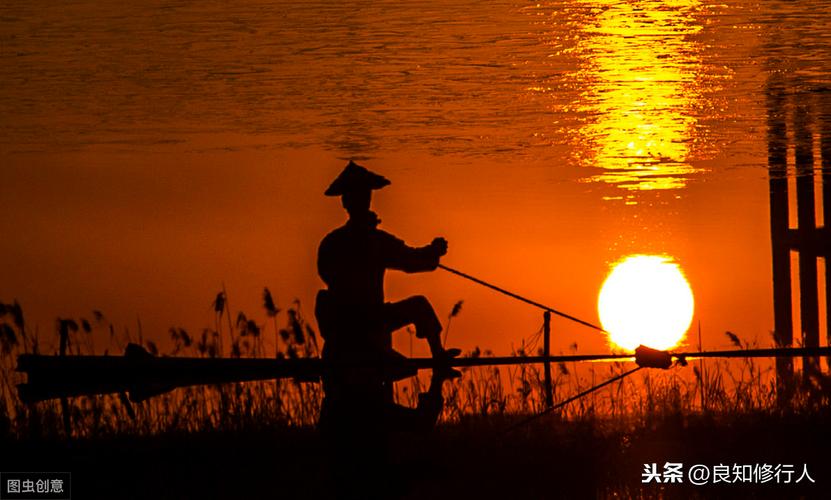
[[420, 303], [424, 316], [423, 311]]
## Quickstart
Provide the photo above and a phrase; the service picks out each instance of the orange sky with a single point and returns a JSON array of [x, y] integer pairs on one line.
[[531, 153], [158, 241]]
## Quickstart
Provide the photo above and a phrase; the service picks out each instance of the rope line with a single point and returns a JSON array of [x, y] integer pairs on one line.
[[571, 399], [520, 297]]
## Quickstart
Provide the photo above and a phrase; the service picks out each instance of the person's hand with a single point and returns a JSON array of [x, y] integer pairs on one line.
[[439, 245]]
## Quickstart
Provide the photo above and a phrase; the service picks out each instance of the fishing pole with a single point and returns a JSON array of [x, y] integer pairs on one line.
[[61, 376], [643, 356], [520, 297], [577, 396]]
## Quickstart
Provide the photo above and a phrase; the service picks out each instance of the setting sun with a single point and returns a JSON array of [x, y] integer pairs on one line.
[[646, 300]]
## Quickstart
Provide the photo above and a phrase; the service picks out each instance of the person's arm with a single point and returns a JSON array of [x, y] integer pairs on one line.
[[400, 256]]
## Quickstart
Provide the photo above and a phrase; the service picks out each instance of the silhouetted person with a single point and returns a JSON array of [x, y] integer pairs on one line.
[[358, 412]]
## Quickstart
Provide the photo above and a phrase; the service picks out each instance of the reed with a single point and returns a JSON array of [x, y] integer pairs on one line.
[[726, 388]]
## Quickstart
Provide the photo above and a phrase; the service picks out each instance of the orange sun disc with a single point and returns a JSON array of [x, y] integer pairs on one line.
[[646, 300]]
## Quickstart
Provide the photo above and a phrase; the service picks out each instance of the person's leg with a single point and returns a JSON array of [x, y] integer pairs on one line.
[[418, 312]]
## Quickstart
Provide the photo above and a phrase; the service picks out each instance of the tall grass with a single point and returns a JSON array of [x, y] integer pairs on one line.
[[493, 393]]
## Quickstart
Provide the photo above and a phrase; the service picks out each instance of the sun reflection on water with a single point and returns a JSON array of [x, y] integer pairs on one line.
[[640, 92]]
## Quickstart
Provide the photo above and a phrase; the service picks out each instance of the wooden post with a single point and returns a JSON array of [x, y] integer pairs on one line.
[[806, 229], [63, 331], [546, 351], [778, 170], [825, 149]]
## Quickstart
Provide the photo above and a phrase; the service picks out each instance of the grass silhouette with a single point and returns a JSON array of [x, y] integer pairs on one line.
[[597, 446]]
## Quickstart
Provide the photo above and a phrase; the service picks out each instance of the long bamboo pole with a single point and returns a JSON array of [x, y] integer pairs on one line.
[[52, 377]]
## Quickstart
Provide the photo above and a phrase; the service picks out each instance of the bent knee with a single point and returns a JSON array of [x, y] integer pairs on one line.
[[420, 301], [420, 304]]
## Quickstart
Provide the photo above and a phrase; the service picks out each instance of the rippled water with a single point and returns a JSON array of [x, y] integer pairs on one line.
[[560, 113], [639, 89]]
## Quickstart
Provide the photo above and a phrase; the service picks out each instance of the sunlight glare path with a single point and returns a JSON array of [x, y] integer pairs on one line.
[[642, 87]]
